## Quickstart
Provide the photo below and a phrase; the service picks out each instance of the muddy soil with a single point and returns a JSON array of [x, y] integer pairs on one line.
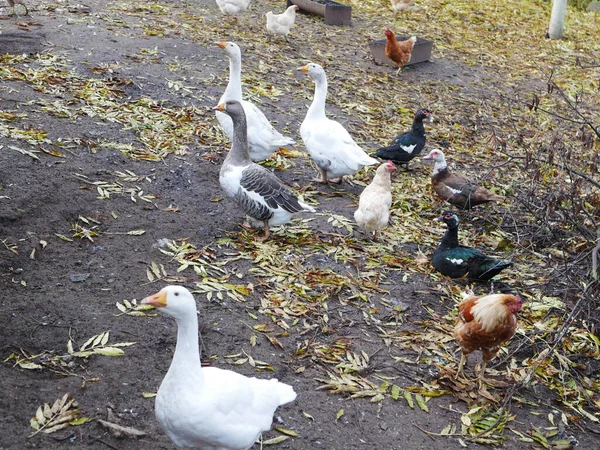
[[54, 290]]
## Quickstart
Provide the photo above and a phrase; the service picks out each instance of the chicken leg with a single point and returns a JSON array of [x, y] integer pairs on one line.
[[481, 374], [461, 364], [13, 3]]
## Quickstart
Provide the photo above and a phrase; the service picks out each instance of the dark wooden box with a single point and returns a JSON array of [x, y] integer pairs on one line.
[[421, 52], [334, 13]]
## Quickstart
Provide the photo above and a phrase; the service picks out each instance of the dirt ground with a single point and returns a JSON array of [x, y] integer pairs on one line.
[[56, 289]]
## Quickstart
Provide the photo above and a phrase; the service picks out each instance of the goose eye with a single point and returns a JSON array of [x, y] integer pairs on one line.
[[176, 293]]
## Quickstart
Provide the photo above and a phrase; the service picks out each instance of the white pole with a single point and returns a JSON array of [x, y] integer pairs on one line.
[[557, 19]]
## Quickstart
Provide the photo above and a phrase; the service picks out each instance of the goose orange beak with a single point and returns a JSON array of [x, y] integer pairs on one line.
[[220, 107], [221, 44], [158, 300], [303, 68]]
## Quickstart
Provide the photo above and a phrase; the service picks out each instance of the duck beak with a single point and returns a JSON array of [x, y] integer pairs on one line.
[[438, 219], [303, 68], [158, 300], [431, 118], [221, 44], [427, 157], [220, 107]]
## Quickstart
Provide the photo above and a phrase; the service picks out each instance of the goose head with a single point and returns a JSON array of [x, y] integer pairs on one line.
[[176, 301], [315, 71], [231, 48], [232, 108]]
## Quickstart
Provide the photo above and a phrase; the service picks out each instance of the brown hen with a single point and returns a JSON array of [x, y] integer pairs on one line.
[[485, 323], [399, 52]]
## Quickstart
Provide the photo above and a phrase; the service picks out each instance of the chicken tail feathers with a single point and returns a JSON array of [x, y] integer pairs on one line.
[[285, 392]]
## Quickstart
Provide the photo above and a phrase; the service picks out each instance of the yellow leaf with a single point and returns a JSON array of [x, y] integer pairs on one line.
[[286, 431], [80, 421], [308, 416], [276, 440], [421, 402], [408, 397], [109, 351], [446, 430]]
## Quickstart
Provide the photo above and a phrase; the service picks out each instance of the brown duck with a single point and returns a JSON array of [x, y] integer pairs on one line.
[[454, 188]]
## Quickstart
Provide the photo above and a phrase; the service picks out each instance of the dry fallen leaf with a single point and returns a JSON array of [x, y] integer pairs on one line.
[[60, 415], [120, 431]]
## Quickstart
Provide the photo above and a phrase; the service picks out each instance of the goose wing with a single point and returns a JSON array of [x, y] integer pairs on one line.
[[261, 188]]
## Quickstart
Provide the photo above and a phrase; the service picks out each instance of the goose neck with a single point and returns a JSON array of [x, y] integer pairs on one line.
[[234, 87], [187, 350], [239, 153], [317, 108]]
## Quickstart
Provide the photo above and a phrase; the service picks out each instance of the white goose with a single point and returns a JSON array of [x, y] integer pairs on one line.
[[329, 144], [260, 194], [263, 138], [206, 407]]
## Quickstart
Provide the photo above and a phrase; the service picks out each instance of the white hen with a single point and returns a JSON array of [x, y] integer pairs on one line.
[[405, 5], [282, 23], [205, 407], [14, 3], [329, 144], [373, 213], [232, 7]]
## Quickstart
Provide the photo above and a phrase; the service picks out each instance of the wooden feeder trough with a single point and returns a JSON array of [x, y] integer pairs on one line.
[[334, 13], [421, 52]]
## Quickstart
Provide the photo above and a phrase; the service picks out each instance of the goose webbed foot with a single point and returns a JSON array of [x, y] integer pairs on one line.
[[323, 179], [264, 237]]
